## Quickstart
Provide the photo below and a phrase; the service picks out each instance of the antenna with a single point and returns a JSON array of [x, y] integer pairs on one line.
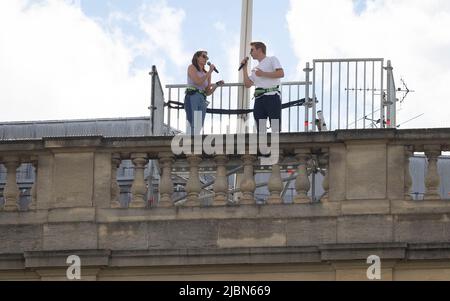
[[410, 120], [405, 90], [374, 121]]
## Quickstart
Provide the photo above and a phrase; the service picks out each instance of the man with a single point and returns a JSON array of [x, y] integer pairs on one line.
[[266, 77]]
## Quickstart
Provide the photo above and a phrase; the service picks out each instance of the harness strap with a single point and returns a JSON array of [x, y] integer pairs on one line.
[[179, 105], [261, 91], [192, 90]]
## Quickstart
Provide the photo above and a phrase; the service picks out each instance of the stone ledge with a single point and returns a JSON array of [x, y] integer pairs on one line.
[[287, 140], [399, 208], [54, 259], [361, 207], [420, 207], [362, 251], [35, 217], [215, 256], [14, 145], [219, 212], [78, 214], [398, 252], [11, 262], [73, 142], [425, 251]]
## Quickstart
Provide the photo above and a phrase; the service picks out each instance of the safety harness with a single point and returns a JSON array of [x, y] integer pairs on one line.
[[179, 106], [261, 91], [193, 90]]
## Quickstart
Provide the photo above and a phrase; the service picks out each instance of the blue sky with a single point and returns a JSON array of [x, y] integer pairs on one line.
[[199, 30], [90, 58], [202, 22], [200, 27]]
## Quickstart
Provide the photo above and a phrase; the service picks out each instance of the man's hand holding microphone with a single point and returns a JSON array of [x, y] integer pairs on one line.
[[243, 63]]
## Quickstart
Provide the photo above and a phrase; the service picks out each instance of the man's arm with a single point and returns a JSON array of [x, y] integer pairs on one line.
[[278, 73], [247, 81]]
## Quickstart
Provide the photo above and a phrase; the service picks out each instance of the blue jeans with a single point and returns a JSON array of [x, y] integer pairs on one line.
[[195, 106]]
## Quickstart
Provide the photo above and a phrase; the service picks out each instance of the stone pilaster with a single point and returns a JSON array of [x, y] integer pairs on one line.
[[33, 202], [11, 192], [115, 188], [324, 165], [408, 180]]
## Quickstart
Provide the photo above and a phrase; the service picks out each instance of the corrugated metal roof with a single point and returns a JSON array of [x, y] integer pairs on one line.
[[107, 127]]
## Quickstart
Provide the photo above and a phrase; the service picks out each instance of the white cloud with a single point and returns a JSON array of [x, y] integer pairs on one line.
[[56, 63], [163, 26], [412, 33]]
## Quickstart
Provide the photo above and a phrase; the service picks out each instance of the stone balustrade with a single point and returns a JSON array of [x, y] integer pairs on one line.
[[355, 165]]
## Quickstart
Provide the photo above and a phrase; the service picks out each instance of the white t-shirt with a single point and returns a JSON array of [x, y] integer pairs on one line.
[[268, 64]]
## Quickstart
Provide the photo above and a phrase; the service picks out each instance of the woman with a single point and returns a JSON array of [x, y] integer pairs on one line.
[[199, 87]]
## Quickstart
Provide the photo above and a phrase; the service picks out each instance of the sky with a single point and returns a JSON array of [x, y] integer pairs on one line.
[[72, 59]]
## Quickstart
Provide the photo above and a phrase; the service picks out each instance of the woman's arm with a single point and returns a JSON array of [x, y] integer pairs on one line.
[[211, 88]]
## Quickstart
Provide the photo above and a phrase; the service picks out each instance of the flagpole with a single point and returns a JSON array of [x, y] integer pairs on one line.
[[244, 50]]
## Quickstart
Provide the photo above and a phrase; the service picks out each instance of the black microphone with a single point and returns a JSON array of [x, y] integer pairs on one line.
[[242, 65], [215, 70]]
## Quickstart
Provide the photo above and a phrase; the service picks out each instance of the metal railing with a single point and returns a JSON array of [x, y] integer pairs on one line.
[[350, 93], [225, 97]]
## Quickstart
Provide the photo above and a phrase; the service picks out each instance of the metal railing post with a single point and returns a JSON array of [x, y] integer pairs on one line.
[[307, 70], [168, 109], [382, 125], [390, 96], [153, 74]]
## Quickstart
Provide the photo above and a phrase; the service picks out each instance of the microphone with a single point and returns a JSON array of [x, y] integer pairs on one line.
[[215, 70], [242, 65]]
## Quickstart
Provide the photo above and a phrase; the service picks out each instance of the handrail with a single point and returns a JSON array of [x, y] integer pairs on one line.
[[289, 83]]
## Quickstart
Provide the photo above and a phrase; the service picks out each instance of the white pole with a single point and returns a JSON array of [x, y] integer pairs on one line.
[[244, 93], [391, 97], [244, 50]]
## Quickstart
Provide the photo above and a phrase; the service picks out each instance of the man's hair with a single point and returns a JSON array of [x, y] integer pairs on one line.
[[259, 45]]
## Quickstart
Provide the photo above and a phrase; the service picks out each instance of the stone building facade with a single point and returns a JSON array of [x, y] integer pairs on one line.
[[365, 209]]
